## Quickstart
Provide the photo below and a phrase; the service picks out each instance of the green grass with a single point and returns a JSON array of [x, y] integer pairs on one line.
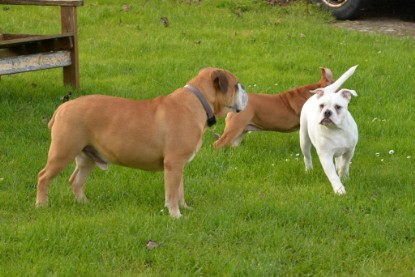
[[256, 212]]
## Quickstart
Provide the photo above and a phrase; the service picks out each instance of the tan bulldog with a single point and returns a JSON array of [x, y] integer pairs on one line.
[[164, 133], [270, 112]]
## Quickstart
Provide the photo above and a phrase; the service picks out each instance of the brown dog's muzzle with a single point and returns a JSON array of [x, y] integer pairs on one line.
[[241, 98]]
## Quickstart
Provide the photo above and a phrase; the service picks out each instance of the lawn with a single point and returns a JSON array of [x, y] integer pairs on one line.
[[256, 212]]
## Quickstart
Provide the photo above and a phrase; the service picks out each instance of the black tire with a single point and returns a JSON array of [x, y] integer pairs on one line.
[[343, 9]]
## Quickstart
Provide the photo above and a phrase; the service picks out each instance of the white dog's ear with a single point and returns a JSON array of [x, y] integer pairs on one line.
[[347, 93], [319, 92]]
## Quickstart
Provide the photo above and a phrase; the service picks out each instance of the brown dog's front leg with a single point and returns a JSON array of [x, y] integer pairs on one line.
[[172, 180], [182, 201]]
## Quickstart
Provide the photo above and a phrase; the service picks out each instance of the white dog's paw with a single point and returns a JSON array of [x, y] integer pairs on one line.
[[340, 190], [308, 164], [308, 167]]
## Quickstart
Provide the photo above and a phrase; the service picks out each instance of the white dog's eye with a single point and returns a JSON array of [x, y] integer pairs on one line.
[[321, 106], [338, 108]]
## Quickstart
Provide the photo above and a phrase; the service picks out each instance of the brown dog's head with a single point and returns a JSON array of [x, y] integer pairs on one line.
[[222, 89]]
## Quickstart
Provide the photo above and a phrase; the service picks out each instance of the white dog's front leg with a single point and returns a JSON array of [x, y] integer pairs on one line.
[[330, 170]]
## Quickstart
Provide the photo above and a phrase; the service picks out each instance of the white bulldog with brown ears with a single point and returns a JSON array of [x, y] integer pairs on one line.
[[327, 124]]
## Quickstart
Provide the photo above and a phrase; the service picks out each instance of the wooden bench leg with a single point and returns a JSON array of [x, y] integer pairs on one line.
[[69, 24]]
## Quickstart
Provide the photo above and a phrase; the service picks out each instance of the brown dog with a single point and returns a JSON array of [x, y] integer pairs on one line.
[[159, 134], [267, 112]]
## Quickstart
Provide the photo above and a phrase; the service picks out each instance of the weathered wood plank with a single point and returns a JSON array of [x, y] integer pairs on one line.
[[21, 51], [25, 39], [71, 3], [69, 25], [34, 62]]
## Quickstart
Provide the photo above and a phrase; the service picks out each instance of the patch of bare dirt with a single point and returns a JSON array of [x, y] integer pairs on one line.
[[279, 2], [392, 17], [390, 26]]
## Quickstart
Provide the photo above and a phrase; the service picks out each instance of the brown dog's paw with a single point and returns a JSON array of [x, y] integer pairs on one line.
[[42, 204]]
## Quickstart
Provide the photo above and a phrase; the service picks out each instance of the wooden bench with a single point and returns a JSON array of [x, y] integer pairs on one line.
[[27, 52]]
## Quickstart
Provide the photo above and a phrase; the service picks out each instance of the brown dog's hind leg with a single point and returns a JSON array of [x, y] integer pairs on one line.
[[84, 167], [53, 167], [62, 152]]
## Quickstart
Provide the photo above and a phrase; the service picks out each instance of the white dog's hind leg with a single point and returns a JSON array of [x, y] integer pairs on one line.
[[330, 170], [343, 167], [305, 144], [338, 162]]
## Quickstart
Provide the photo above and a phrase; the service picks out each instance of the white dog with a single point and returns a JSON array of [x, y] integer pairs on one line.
[[326, 123]]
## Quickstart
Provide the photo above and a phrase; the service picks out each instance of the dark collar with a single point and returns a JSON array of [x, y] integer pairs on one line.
[[211, 117]]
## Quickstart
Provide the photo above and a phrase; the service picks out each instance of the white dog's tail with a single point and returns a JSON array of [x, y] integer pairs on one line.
[[336, 85]]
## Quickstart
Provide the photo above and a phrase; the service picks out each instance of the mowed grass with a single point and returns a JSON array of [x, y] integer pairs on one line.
[[256, 212]]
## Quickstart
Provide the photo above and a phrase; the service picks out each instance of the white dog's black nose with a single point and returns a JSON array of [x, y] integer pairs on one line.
[[327, 113]]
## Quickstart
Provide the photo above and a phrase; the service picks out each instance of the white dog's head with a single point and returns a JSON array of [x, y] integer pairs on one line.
[[333, 106]]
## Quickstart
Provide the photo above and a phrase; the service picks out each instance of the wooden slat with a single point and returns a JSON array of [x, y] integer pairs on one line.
[[44, 2], [69, 25], [21, 51], [34, 62], [14, 36], [30, 45], [25, 39]]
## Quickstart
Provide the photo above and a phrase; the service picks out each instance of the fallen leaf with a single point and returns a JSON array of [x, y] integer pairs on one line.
[[126, 8], [151, 244], [164, 21]]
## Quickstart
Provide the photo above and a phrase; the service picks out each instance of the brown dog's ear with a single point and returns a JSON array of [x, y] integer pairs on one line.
[[220, 80], [326, 75]]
